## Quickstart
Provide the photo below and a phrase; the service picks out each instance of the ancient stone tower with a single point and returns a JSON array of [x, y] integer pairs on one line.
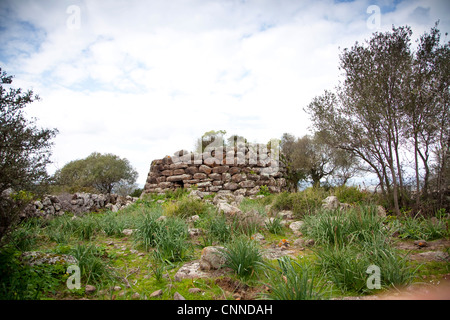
[[243, 169]]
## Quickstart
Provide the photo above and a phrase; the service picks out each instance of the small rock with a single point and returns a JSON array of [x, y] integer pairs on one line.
[[296, 225], [380, 211], [193, 218], [193, 232], [135, 296], [299, 243], [156, 293], [286, 215], [421, 243], [89, 289], [310, 243], [331, 203], [212, 258], [117, 288], [178, 296], [195, 290], [127, 232], [258, 237]]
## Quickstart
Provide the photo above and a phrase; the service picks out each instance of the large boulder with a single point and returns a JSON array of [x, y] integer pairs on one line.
[[330, 203], [36, 258], [212, 258], [228, 209]]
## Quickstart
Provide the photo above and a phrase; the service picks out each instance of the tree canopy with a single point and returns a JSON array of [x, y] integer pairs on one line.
[[105, 173], [393, 105], [25, 152], [310, 158]]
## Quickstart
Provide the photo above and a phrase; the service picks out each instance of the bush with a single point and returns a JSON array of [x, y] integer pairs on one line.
[[216, 229], [86, 227], [352, 194], [274, 225], [185, 207], [347, 266], [336, 227], [24, 237], [301, 203], [168, 236], [20, 281], [292, 280], [171, 239], [243, 256], [92, 267], [420, 228], [147, 228]]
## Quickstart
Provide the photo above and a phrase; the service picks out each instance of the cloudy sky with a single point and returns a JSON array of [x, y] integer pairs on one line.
[[143, 79]]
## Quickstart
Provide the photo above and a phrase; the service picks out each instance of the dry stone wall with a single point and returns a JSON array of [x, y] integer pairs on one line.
[[242, 170], [77, 203]]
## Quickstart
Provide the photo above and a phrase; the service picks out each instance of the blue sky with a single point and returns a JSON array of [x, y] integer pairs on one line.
[[143, 79]]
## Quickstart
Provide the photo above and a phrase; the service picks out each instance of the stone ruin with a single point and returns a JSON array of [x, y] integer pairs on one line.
[[242, 170]]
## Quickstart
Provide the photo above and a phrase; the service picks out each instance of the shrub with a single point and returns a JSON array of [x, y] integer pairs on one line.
[[168, 236], [24, 237], [264, 190], [177, 194], [338, 227], [243, 256], [171, 239], [347, 194], [345, 266], [274, 225], [60, 229], [283, 201], [185, 207], [147, 229], [92, 267], [292, 280], [216, 229], [246, 224], [301, 203], [19, 281], [110, 224], [86, 227], [420, 228]]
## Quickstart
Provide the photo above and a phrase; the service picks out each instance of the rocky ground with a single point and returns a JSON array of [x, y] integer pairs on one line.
[[204, 278]]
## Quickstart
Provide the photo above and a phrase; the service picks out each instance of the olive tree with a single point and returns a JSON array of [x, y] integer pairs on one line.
[[25, 151], [105, 173]]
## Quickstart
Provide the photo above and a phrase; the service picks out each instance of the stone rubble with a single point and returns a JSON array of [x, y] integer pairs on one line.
[[77, 203], [241, 172]]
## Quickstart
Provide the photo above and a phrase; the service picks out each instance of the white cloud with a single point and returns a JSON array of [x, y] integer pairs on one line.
[[145, 79]]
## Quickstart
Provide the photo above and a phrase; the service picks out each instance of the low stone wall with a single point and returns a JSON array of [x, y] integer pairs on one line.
[[241, 170], [77, 203]]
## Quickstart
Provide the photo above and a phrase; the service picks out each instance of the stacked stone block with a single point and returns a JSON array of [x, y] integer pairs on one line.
[[241, 170]]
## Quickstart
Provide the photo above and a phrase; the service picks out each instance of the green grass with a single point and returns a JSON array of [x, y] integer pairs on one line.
[[294, 280], [274, 226], [420, 228], [339, 228], [216, 229], [243, 256], [92, 263], [347, 243]]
